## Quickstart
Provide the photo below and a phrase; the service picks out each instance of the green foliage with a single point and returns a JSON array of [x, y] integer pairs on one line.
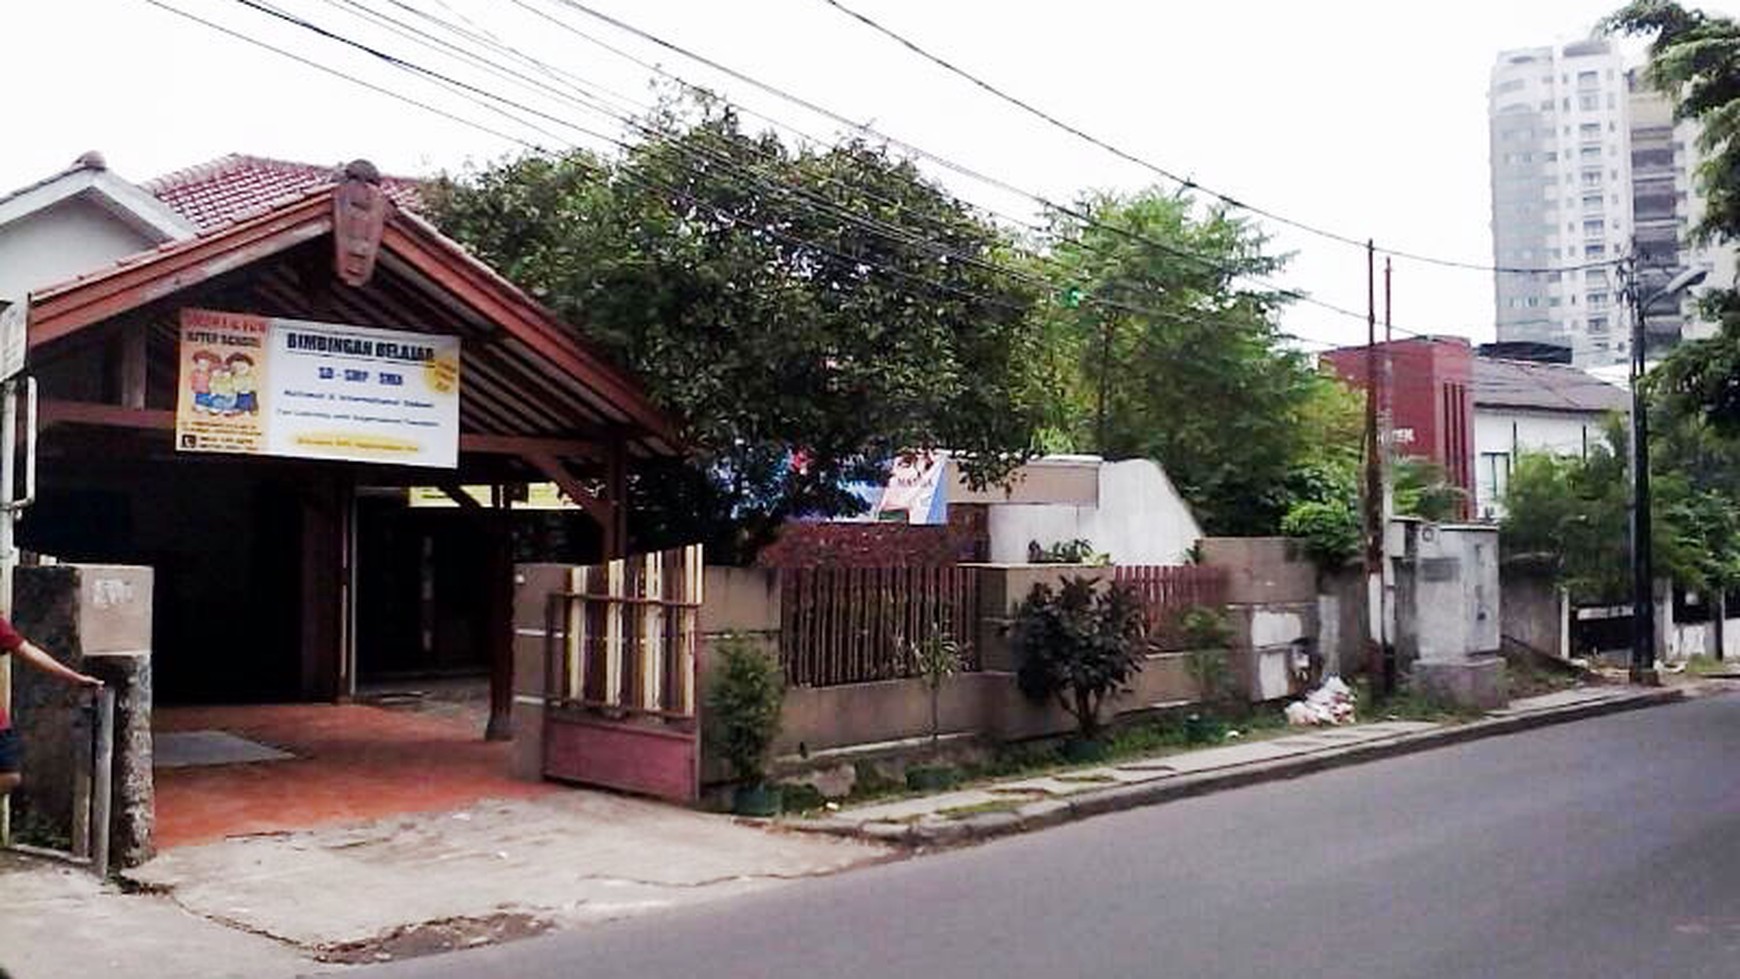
[[743, 706], [1205, 628], [1330, 530], [937, 657], [1078, 551], [1573, 511], [1078, 644], [1423, 490], [1189, 365], [715, 263], [1208, 637]]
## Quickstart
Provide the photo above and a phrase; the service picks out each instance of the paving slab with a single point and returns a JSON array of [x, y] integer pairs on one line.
[[571, 858], [58, 922], [1242, 754]]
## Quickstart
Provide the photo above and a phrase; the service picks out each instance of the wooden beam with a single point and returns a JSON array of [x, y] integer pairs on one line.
[[119, 416], [60, 310], [516, 445], [457, 494], [602, 511], [53, 412], [133, 369]]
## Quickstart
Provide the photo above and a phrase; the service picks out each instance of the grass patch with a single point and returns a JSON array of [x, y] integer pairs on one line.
[[1704, 665], [979, 809]]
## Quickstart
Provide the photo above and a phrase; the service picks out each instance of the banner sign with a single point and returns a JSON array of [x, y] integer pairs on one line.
[[260, 386], [531, 496]]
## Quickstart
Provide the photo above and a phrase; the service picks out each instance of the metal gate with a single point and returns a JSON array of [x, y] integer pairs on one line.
[[621, 651]]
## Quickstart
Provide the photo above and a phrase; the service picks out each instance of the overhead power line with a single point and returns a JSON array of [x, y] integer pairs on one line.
[[474, 93], [1188, 183]]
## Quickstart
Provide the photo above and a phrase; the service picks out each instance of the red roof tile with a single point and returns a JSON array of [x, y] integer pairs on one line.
[[214, 194]]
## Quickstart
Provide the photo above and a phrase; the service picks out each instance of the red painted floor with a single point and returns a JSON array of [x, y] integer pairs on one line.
[[352, 763]]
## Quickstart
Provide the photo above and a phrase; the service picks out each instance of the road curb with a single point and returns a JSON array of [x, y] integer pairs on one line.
[[1040, 814]]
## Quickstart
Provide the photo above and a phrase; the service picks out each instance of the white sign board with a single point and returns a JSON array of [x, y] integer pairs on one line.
[[14, 339], [259, 386]]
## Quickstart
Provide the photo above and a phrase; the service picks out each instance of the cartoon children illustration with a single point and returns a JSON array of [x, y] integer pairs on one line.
[[241, 368], [199, 379], [223, 391]]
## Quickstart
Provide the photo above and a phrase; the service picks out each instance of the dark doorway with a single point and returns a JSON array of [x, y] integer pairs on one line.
[[422, 590]]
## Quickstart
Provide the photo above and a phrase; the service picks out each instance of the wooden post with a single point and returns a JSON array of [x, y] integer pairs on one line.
[[499, 603]]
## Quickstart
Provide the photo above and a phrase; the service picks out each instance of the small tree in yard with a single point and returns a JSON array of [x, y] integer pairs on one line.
[[1077, 645], [743, 707], [937, 657]]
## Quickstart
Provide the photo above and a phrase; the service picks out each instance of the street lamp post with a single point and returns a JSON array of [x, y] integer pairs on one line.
[[1642, 570]]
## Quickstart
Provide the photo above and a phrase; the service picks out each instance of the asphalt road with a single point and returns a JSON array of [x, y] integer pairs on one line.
[[1607, 847]]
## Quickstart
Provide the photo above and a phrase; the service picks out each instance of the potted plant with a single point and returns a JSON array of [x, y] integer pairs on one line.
[[1077, 645], [743, 711], [937, 657]]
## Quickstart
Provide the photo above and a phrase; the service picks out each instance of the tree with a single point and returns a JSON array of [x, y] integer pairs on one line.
[[808, 314], [1171, 354]]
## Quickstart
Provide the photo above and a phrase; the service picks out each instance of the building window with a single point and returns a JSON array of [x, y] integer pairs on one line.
[[1594, 228], [1598, 324], [1588, 79], [1551, 156], [1597, 300], [1592, 202], [1591, 178], [1589, 101], [1589, 153], [1594, 251], [1589, 130]]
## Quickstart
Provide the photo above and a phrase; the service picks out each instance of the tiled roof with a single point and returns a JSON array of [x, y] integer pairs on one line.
[[214, 194], [1545, 387]]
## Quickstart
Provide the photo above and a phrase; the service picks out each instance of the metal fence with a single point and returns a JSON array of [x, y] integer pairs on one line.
[[856, 625]]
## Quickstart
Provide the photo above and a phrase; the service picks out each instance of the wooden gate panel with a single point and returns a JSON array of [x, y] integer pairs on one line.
[[622, 644]]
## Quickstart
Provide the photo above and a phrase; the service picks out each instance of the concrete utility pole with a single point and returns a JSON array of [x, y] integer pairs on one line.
[[1374, 487]]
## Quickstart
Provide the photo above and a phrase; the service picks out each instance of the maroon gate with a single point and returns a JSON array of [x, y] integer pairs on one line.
[[621, 645]]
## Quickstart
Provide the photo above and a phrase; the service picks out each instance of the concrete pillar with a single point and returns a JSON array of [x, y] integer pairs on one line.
[[96, 619]]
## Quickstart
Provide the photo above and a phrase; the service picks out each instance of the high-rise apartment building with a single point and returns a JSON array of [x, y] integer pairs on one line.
[[1562, 197], [1665, 206]]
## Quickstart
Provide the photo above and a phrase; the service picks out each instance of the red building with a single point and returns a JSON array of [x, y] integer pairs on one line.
[[1431, 398]]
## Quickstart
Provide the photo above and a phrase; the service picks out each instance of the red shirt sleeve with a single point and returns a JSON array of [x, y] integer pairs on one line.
[[10, 640]]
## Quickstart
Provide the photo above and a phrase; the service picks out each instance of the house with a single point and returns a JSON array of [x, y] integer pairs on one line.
[[1431, 407], [1529, 406], [303, 545]]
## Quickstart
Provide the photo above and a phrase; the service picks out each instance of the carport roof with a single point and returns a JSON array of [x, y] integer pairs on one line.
[[525, 375]]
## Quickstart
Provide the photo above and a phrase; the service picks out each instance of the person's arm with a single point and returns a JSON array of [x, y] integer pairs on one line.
[[29, 653]]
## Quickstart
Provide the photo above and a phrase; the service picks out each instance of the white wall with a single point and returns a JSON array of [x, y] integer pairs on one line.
[[1500, 434], [1140, 519], [71, 238]]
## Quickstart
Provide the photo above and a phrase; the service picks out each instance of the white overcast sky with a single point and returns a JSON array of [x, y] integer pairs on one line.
[[1365, 117]]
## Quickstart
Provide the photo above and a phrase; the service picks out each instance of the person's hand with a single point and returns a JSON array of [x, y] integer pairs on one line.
[[88, 681]]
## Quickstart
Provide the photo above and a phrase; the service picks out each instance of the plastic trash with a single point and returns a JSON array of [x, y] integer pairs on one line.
[[1330, 703]]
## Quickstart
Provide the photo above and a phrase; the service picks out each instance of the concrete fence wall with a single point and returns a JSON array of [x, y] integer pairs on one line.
[[746, 601]]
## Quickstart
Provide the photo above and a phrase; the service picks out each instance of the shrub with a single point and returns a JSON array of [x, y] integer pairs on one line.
[[1330, 530], [743, 706], [1078, 645]]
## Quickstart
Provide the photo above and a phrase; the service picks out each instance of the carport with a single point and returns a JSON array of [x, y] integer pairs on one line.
[[272, 583]]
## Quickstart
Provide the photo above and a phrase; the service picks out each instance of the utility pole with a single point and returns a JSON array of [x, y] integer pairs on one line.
[[1642, 573], [1373, 496], [1387, 436]]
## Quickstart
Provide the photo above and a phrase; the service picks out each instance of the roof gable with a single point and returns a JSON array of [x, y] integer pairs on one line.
[[89, 179], [1543, 387]]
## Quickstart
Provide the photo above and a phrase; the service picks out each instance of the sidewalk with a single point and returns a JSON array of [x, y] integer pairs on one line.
[[1022, 804], [306, 902]]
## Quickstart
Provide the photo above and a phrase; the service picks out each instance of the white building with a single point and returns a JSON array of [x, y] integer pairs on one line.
[[1523, 406], [1561, 196]]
